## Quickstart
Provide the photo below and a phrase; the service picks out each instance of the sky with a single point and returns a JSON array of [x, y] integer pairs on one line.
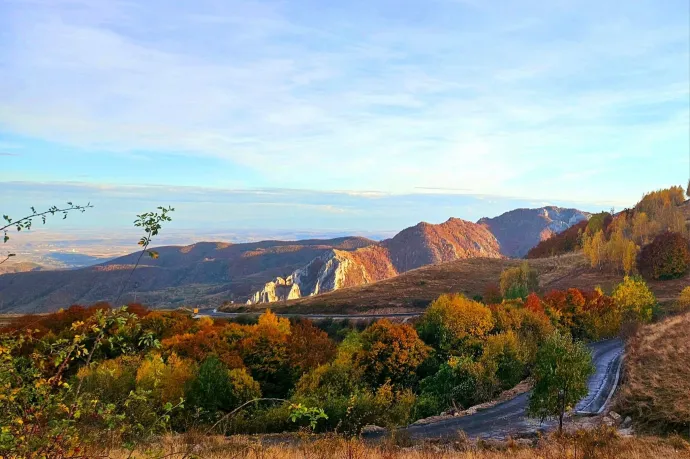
[[350, 115]]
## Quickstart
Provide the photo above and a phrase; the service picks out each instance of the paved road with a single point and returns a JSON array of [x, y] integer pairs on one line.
[[509, 417], [229, 315]]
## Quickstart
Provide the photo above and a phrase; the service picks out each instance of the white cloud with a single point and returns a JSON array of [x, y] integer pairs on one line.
[[506, 101]]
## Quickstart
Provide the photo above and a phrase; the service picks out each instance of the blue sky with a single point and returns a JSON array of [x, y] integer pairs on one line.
[[359, 115]]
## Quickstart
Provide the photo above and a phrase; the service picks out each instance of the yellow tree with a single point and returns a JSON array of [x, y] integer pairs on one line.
[[630, 257], [635, 299]]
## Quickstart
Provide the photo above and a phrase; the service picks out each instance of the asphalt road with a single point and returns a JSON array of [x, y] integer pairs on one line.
[[507, 417], [510, 417], [229, 315]]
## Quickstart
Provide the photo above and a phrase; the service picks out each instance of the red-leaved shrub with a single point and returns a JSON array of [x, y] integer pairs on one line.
[[666, 257]]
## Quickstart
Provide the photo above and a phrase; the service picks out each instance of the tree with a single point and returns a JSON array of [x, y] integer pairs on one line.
[[308, 347], [635, 299], [630, 257], [560, 373], [453, 323], [666, 257], [518, 282], [390, 352], [265, 353], [683, 302], [594, 248], [216, 388]]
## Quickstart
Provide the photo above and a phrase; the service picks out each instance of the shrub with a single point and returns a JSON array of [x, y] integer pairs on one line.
[[683, 302], [216, 388], [460, 383], [518, 282], [111, 380], [666, 257], [165, 379]]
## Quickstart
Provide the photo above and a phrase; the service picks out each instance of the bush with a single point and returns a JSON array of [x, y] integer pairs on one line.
[[666, 257], [683, 302], [111, 380], [165, 380], [216, 388], [518, 282]]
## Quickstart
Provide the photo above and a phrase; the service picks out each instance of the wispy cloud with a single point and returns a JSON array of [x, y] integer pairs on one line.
[[500, 98]]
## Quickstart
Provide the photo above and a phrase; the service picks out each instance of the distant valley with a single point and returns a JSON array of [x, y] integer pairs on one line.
[[216, 273]]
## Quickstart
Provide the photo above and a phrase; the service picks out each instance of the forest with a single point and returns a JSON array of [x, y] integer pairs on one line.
[[118, 376]]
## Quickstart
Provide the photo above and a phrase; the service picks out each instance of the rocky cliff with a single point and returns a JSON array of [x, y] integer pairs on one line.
[[414, 247]]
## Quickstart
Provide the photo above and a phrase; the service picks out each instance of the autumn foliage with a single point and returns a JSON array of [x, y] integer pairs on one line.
[[666, 257]]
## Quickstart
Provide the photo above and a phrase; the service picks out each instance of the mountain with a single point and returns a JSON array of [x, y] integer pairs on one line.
[[417, 246], [214, 273], [519, 230], [206, 273]]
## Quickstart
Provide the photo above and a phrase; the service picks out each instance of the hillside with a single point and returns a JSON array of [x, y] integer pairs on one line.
[[657, 383], [213, 273], [415, 289], [20, 267], [519, 230], [206, 273], [420, 245]]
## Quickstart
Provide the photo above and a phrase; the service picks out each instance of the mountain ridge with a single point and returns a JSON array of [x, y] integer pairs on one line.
[[215, 273]]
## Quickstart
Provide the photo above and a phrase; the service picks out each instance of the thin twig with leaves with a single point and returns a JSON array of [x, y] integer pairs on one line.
[[25, 223], [151, 222]]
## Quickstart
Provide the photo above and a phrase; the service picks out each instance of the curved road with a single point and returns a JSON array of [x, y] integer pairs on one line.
[[229, 315], [510, 417]]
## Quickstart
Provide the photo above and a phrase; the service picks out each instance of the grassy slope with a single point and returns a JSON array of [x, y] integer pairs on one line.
[[595, 444], [415, 289], [656, 391]]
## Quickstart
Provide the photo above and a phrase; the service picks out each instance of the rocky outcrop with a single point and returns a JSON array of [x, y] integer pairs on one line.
[[519, 230], [277, 290], [414, 247]]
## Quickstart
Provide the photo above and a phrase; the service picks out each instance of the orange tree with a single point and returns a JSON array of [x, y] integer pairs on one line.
[[390, 352]]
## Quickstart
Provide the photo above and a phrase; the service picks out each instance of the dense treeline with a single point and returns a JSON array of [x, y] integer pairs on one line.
[[652, 238], [122, 375]]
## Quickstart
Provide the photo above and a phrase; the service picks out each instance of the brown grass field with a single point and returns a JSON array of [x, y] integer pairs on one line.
[[597, 444], [415, 289], [656, 389]]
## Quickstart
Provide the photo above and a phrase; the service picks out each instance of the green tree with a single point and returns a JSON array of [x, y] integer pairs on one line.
[[560, 374], [215, 388], [518, 282]]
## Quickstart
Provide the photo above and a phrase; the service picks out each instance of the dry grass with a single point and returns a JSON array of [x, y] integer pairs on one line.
[[656, 392], [415, 289], [598, 444]]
